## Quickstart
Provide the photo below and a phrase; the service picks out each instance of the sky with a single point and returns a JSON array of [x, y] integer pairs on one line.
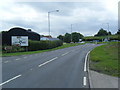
[[86, 16]]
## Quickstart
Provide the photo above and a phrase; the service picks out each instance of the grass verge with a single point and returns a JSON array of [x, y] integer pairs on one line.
[[104, 59], [40, 51]]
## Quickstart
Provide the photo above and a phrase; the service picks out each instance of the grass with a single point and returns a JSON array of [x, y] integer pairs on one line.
[[40, 51], [102, 37], [104, 59]]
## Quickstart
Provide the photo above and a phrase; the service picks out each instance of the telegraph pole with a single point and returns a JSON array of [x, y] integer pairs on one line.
[[71, 32]]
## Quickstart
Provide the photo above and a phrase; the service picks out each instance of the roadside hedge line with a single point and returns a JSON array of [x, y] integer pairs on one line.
[[33, 46], [100, 38], [43, 45]]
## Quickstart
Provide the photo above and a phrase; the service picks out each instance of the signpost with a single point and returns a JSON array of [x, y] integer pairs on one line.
[[20, 40]]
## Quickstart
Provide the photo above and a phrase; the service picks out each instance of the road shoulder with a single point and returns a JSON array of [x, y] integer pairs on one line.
[[98, 80]]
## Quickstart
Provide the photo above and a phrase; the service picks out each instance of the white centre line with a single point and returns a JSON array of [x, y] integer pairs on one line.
[[85, 65], [17, 59], [10, 80], [84, 81], [24, 57], [64, 54], [47, 62], [6, 61]]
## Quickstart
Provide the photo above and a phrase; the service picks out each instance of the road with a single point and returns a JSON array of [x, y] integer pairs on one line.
[[63, 68]]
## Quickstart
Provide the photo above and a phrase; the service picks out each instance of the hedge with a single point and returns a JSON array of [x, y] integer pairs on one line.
[[12, 49], [100, 38], [33, 46], [43, 45]]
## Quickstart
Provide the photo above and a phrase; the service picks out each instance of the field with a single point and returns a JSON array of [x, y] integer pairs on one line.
[[104, 59]]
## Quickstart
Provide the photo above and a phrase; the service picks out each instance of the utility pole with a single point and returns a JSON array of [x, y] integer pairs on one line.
[[108, 30], [71, 32], [49, 24]]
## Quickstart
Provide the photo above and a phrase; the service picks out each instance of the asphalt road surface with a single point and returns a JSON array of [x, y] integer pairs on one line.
[[64, 68]]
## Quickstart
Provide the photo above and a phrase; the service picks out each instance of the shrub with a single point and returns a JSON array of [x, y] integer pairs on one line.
[[12, 49], [43, 45], [33, 46]]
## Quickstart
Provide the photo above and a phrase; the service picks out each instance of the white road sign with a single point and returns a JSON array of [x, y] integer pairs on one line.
[[20, 40]]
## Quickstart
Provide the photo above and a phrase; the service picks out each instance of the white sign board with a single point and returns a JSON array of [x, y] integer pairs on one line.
[[20, 40]]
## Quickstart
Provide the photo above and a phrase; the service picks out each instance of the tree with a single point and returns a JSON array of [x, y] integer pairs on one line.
[[109, 33], [67, 38], [61, 37], [102, 32], [76, 36], [118, 32]]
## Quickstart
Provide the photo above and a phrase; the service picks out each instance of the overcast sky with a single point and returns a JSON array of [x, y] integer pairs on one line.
[[87, 17]]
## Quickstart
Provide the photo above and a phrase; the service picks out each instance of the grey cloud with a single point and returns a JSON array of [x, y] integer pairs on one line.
[[61, 25]]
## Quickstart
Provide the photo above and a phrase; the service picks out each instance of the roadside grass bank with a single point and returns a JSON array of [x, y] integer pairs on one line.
[[104, 59], [40, 51]]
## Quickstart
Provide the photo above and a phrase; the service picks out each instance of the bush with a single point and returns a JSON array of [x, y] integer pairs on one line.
[[33, 46], [12, 49], [43, 45]]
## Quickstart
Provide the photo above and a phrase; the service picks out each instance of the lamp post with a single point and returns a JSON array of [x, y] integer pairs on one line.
[[49, 20]]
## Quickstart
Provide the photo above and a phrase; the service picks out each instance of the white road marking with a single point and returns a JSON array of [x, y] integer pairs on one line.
[[64, 54], [85, 65], [47, 62], [84, 81], [6, 61], [10, 80], [24, 57], [17, 59]]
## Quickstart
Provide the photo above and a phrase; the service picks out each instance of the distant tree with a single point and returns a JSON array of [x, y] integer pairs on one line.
[[118, 32], [4, 32], [61, 37], [67, 38], [109, 33], [102, 32], [76, 36]]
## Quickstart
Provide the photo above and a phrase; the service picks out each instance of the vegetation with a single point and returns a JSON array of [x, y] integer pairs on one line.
[[40, 51], [61, 37], [33, 46], [103, 32], [12, 49], [43, 45], [76, 36], [118, 32], [104, 59], [100, 38], [67, 37]]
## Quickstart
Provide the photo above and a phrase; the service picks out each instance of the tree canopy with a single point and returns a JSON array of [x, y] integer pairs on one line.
[[68, 37], [61, 37], [103, 32], [76, 36]]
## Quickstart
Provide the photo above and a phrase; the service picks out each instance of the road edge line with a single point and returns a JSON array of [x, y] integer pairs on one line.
[[89, 76], [85, 64]]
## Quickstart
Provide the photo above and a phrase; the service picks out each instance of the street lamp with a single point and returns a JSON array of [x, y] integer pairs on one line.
[[49, 20]]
